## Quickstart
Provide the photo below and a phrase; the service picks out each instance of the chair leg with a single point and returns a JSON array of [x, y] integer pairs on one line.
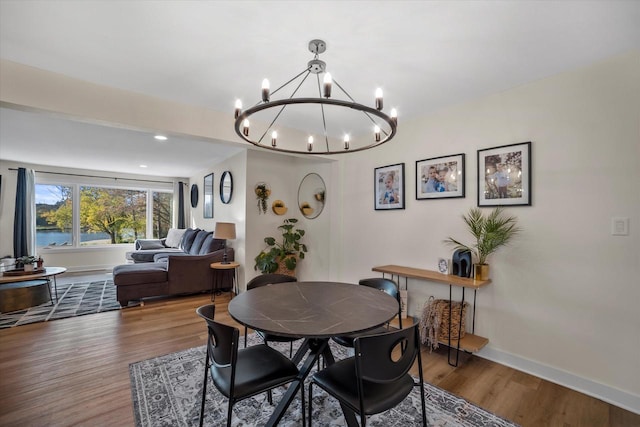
[[290, 349], [424, 410], [230, 412], [204, 388], [245, 337], [310, 402], [302, 399]]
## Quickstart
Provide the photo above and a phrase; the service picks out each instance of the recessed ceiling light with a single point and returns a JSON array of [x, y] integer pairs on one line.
[[143, 166], [160, 137]]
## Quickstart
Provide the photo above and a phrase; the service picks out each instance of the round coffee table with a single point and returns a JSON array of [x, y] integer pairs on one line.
[[23, 290]]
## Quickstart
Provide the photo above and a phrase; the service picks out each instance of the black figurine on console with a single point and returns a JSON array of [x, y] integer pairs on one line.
[[461, 263]]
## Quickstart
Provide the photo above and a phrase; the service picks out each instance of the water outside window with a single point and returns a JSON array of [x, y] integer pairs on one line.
[[54, 215]]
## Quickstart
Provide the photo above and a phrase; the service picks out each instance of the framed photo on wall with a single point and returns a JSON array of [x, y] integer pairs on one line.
[[440, 177], [389, 187], [504, 175]]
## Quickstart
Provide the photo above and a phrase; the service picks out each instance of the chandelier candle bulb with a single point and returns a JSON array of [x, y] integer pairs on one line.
[[379, 99], [327, 85], [274, 138], [310, 144], [376, 131], [238, 108], [265, 90], [245, 127], [394, 116], [346, 142]]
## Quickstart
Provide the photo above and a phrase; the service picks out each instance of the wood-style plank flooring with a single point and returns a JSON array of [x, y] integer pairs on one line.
[[76, 371]]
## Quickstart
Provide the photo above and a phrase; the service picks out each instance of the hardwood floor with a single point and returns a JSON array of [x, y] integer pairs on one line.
[[76, 371]]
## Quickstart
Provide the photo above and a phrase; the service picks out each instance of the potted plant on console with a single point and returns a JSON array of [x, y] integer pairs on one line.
[[491, 232], [282, 257]]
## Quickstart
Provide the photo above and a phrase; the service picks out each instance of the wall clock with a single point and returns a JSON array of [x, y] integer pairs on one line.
[[194, 195]]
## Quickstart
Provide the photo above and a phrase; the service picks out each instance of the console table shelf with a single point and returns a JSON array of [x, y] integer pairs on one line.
[[470, 343], [432, 276]]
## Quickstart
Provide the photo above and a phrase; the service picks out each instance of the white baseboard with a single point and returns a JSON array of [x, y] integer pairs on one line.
[[614, 396]]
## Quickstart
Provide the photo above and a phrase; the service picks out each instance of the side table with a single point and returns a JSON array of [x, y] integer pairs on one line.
[[231, 265]]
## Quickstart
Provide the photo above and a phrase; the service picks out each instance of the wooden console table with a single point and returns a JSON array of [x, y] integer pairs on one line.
[[470, 343]]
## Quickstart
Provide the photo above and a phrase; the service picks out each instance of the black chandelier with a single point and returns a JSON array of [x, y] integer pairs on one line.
[[384, 126]]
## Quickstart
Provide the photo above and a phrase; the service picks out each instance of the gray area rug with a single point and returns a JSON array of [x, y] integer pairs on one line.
[[166, 391], [76, 299]]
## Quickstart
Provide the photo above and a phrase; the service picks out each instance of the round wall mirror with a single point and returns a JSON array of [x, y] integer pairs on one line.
[[311, 195], [194, 195], [226, 187]]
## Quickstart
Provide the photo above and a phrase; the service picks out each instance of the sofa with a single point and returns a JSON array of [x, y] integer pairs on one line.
[[162, 270], [146, 249]]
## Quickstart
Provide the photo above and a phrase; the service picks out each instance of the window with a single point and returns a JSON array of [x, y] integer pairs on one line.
[[92, 215], [54, 215]]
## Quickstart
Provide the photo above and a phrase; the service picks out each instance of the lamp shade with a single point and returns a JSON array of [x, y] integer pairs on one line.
[[225, 230]]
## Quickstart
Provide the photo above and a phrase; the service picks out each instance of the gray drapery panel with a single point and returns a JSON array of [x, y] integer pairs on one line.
[[181, 223], [20, 246]]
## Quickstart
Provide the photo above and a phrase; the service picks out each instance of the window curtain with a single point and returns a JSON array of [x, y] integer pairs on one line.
[[181, 221], [24, 223]]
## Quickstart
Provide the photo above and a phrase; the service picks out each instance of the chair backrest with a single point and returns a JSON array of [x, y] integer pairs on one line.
[[388, 286], [268, 279], [222, 342], [387, 357]]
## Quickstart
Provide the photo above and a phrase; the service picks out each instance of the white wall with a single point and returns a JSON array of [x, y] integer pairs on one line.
[[235, 211], [283, 174], [564, 298]]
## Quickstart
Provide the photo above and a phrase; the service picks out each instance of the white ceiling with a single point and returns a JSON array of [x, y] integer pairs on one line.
[[426, 55]]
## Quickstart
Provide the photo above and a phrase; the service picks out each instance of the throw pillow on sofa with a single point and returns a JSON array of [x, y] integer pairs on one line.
[[142, 244], [187, 239], [174, 236]]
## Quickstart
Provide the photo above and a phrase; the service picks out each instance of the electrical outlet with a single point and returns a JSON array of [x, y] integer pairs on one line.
[[619, 226]]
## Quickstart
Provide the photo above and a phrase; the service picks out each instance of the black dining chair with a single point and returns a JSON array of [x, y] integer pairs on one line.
[[264, 280], [377, 378], [387, 286], [242, 373]]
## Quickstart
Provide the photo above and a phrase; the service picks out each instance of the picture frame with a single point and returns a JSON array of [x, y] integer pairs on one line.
[[441, 177], [504, 175], [208, 196], [388, 184]]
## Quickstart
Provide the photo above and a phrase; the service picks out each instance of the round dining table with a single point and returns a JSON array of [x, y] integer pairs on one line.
[[315, 311]]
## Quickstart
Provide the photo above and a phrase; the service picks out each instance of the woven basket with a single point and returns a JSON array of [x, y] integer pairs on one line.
[[282, 268], [434, 325]]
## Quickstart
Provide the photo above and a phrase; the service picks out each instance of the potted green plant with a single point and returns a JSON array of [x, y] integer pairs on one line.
[[490, 232], [285, 252], [24, 261]]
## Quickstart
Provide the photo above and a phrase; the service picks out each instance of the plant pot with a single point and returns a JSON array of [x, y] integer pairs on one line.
[[481, 271], [279, 210], [28, 267], [282, 268]]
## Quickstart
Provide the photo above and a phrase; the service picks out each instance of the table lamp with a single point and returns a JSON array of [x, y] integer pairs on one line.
[[225, 230]]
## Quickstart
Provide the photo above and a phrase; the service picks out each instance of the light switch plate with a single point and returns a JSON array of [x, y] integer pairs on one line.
[[619, 226]]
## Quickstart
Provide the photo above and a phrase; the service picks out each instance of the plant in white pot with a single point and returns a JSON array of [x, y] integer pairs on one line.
[[491, 232]]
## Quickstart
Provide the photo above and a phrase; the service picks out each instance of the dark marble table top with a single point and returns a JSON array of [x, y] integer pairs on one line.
[[313, 309]]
